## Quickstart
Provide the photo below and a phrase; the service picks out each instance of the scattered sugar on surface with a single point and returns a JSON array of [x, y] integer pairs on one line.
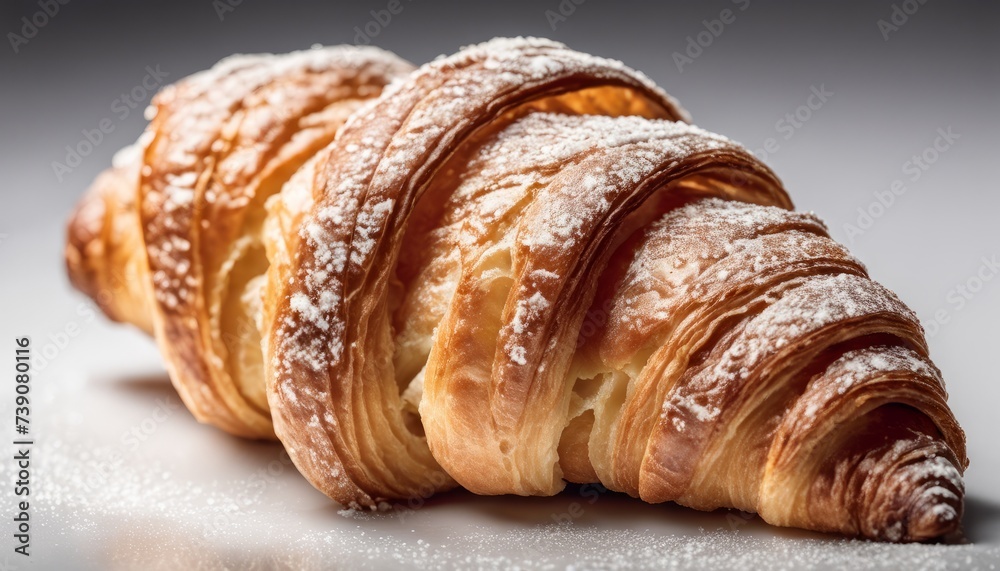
[[222, 524], [130, 511], [200, 107], [389, 151]]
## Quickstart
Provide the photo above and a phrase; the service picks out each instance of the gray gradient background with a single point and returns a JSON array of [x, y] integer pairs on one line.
[[939, 70]]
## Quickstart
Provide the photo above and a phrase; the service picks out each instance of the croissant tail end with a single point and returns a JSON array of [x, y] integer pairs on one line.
[[933, 510], [932, 519], [890, 476], [83, 243], [918, 496]]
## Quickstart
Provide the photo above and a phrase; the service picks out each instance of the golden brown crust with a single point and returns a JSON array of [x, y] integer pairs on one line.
[[220, 143], [520, 267], [330, 337], [224, 141]]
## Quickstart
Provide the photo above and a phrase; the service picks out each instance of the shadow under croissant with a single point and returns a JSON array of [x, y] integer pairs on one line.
[[152, 388], [981, 521], [588, 505], [147, 386]]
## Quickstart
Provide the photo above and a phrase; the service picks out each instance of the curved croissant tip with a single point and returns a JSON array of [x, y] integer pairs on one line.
[[926, 502], [936, 512], [83, 231]]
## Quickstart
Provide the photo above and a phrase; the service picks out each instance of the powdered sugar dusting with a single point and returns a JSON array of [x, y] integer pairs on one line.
[[819, 302], [537, 194], [371, 173], [197, 132], [861, 364], [710, 248]]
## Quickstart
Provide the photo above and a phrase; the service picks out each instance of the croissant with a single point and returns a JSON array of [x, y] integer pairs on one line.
[[508, 269]]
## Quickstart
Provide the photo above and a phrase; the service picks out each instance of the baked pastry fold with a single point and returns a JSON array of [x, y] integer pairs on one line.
[[169, 238]]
